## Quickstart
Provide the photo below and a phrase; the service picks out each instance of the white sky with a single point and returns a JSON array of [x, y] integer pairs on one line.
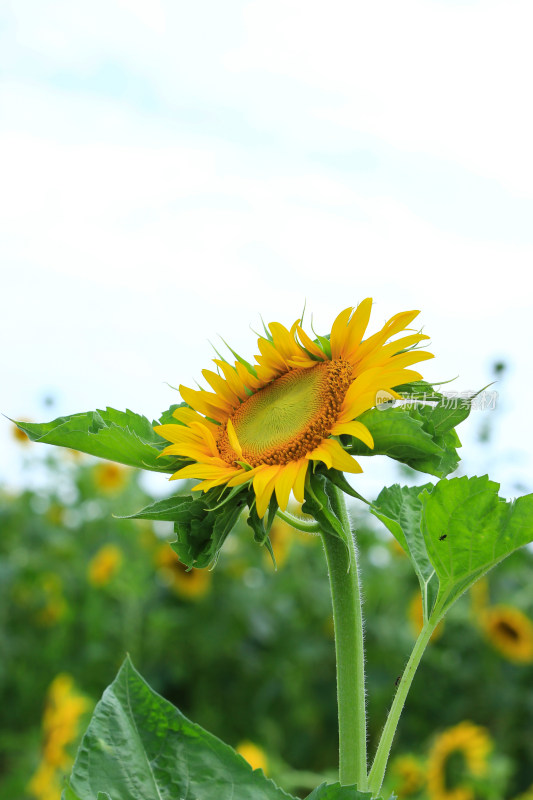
[[171, 170]]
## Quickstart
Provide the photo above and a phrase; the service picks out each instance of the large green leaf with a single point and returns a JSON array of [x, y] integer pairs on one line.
[[400, 508], [421, 436], [121, 436], [468, 529], [140, 747], [460, 528]]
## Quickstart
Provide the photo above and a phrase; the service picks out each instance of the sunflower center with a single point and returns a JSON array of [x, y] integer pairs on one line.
[[508, 631], [290, 416]]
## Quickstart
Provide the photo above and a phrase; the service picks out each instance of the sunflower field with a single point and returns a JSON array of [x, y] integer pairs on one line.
[[247, 650]]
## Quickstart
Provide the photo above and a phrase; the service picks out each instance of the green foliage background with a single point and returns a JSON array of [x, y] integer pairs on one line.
[[252, 658]]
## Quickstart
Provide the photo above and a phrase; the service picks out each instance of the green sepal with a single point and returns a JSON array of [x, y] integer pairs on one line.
[[138, 745], [121, 436], [339, 480], [261, 527], [319, 503], [421, 436], [168, 418], [202, 527], [241, 360], [167, 510], [322, 341], [334, 791]]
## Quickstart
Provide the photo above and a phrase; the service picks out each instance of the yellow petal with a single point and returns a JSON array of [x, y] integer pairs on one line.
[[207, 403], [243, 475], [283, 341], [299, 483], [232, 377], [208, 471], [187, 451], [233, 440], [333, 455], [311, 346], [339, 332], [381, 354], [207, 436], [264, 481], [356, 328], [221, 387], [285, 482], [356, 429]]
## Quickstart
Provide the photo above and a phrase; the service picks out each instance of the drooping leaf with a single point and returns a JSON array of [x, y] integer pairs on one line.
[[138, 745], [338, 479], [121, 436], [400, 508], [168, 510], [202, 525], [421, 436], [334, 791]]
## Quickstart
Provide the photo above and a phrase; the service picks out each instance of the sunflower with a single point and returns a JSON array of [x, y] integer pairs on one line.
[[263, 424], [110, 477], [281, 538], [191, 584], [253, 755], [104, 565], [63, 710], [19, 435], [410, 773], [416, 618], [472, 744], [509, 631]]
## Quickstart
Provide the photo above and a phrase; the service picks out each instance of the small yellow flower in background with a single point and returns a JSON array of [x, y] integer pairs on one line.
[[410, 773], [396, 548], [253, 755], [281, 539], [19, 436], [55, 605], [265, 424], [509, 631], [110, 477], [479, 596], [416, 618], [63, 709], [104, 565], [467, 739], [188, 584]]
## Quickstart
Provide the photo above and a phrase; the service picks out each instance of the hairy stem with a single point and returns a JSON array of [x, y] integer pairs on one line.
[[348, 622], [377, 773]]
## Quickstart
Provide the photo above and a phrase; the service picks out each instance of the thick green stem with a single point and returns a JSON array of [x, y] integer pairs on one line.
[[348, 621], [377, 773]]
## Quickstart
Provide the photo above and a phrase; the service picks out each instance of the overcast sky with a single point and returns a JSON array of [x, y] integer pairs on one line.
[[171, 170]]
